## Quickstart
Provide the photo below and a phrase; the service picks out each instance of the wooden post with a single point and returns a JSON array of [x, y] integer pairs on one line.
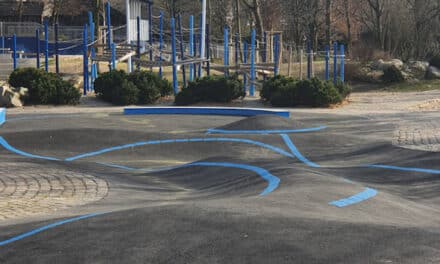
[[289, 68], [301, 54]]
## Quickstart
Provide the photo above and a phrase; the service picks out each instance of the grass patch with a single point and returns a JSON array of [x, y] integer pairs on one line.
[[421, 86]]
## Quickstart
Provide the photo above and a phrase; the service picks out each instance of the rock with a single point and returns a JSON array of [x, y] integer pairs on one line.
[[421, 66], [433, 73], [381, 65]]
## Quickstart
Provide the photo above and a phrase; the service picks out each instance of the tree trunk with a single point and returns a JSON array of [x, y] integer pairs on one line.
[[348, 23], [328, 21], [258, 19]]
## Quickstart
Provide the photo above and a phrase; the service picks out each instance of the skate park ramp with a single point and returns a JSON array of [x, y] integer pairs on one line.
[[109, 188]]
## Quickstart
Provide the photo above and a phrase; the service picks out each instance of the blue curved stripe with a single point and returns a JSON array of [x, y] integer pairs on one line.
[[404, 169], [296, 152], [2, 116], [10, 148], [47, 227], [173, 141], [222, 111], [264, 132], [273, 181], [358, 198]]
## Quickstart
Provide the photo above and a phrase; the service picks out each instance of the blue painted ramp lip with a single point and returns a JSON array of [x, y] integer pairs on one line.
[[407, 169], [2, 116], [265, 132], [297, 153], [47, 227], [273, 181], [222, 111], [367, 194], [10, 148]]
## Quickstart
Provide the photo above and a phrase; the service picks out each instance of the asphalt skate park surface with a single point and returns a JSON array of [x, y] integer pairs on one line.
[[108, 188]]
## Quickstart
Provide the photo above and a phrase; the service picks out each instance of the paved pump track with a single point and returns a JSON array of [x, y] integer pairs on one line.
[[114, 188]]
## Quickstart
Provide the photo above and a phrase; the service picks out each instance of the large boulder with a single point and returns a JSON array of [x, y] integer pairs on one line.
[[433, 73], [382, 65]]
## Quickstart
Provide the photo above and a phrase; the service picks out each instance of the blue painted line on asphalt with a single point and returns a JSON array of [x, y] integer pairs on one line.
[[222, 111], [297, 153], [404, 169], [2, 116], [264, 132], [47, 227], [273, 181], [201, 140], [10, 148], [367, 194]]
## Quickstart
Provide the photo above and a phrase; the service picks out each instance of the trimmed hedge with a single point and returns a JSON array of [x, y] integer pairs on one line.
[[287, 92], [44, 88], [139, 87], [393, 74], [211, 89]]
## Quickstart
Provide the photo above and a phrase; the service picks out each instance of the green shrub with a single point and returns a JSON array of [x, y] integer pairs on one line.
[[393, 74], [435, 61], [343, 88], [44, 88], [139, 87], [315, 93], [272, 85], [211, 89], [23, 77]]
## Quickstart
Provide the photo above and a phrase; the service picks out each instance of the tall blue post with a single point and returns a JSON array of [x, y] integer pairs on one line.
[[14, 50], [276, 54], [342, 70], [208, 51], [191, 47], [46, 46], [37, 46], [253, 75], [85, 61], [57, 56], [226, 51], [161, 45], [245, 61], [237, 49], [150, 30], [335, 62], [2, 40], [199, 74], [174, 55], [182, 51], [94, 69], [113, 63], [138, 43], [109, 26], [265, 47], [309, 60], [327, 63]]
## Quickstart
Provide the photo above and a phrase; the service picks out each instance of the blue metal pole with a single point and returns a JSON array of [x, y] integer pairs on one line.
[[335, 62], [161, 45], [14, 50], [174, 55], [199, 74], [245, 61], [277, 54], [109, 25], [226, 51], [309, 60], [327, 63], [94, 69], [253, 75], [342, 55], [3, 44], [46, 46], [57, 57], [182, 51], [37, 46], [208, 51], [191, 47], [237, 49], [150, 30], [138, 42], [85, 61], [113, 49]]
